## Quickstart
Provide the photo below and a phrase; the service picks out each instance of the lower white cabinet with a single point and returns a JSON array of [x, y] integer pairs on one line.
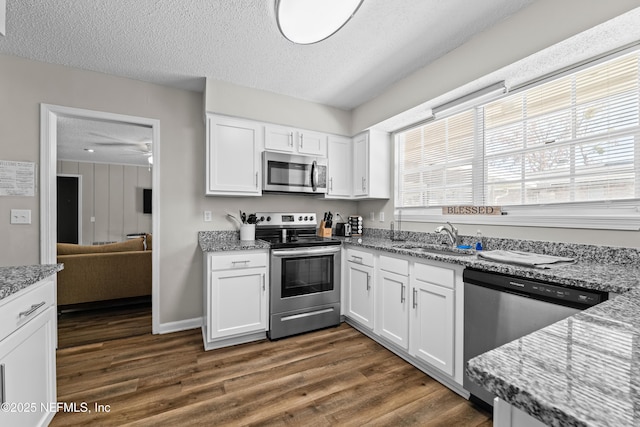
[[235, 298], [392, 312], [27, 356], [417, 311], [360, 287], [432, 322]]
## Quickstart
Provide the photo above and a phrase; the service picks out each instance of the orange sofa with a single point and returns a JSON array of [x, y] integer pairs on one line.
[[104, 272]]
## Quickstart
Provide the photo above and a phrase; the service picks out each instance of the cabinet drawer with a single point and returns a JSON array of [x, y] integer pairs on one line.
[[432, 274], [238, 259], [27, 304], [360, 257], [394, 265]]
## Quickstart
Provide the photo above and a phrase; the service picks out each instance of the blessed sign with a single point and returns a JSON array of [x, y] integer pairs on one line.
[[471, 210]]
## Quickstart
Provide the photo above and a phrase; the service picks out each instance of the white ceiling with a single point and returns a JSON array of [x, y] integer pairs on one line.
[[111, 142], [179, 42]]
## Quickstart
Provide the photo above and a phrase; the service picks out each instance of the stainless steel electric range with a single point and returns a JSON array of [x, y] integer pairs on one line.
[[304, 274]]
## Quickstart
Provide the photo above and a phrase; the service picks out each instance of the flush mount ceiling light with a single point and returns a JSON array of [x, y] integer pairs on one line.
[[311, 21]]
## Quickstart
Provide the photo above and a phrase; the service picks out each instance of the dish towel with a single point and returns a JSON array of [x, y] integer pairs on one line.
[[526, 259]]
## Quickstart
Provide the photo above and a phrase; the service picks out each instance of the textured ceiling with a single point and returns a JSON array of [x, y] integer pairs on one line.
[[111, 142], [179, 42]]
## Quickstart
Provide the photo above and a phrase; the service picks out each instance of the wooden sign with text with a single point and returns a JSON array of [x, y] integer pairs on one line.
[[471, 210]]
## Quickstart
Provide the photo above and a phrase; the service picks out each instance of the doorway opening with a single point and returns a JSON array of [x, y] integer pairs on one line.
[[51, 117]]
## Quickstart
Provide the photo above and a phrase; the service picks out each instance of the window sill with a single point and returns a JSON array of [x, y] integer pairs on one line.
[[619, 216]]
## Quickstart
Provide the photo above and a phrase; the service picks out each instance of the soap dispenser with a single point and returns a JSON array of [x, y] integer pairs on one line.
[[479, 241]]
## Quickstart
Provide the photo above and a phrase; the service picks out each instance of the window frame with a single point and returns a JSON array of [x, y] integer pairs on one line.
[[621, 214]]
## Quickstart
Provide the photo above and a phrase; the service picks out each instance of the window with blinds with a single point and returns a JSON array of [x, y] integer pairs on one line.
[[573, 139]]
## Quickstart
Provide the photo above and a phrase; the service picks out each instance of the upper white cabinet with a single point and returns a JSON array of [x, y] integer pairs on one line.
[[339, 166], [296, 141], [233, 156], [372, 165]]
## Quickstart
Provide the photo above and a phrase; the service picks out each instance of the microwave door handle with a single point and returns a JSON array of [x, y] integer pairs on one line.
[[314, 175]]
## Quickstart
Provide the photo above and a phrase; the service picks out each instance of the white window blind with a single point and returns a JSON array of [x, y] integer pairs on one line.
[[572, 139], [436, 162]]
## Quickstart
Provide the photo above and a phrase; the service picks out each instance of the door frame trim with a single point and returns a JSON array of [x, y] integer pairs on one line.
[[49, 114]]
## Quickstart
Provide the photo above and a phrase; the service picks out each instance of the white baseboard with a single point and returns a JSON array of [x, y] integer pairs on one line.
[[181, 325]]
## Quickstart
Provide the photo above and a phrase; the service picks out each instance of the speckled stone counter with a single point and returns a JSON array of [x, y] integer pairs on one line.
[[220, 241], [581, 371], [587, 273], [14, 279]]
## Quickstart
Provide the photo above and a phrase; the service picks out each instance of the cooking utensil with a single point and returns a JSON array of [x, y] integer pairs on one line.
[[235, 219]]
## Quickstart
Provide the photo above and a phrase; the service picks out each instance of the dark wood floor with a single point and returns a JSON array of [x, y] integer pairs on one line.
[[331, 377]]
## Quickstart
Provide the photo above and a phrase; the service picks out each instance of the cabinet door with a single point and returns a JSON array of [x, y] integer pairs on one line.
[[233, 157], [238, 302], [361, 165], [392, 316], [279, 138], [27, 372], [432, 325], [360, 294], [339, 166], [312, 143]]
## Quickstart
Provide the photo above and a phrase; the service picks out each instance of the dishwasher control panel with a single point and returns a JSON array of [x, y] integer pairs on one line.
[[535, 289]]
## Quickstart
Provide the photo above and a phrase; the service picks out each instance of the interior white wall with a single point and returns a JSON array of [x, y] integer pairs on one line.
[[233, 100], [536, 27], [116, 209]]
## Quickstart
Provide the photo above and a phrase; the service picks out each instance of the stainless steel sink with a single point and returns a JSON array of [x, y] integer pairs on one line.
[[434, 249]]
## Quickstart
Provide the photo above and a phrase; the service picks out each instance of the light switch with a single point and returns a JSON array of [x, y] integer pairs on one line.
[[207, 216], [20, 216]]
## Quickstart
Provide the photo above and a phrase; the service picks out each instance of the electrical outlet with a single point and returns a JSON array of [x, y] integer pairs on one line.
[[207, 216], [20, 216], [372, 216], [381, 216]]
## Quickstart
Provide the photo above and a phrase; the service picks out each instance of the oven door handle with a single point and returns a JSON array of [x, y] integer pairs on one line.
[[306, 251]]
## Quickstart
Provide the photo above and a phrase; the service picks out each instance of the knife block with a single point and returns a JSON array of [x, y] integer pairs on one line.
[[323, 231]]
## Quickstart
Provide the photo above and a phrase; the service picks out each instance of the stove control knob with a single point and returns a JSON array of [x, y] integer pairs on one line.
[[261, 218], [268, 218], [311, 218], [306, 218], [300, 218]]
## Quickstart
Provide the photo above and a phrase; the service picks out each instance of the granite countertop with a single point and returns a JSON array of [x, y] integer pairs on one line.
[[581, 371], [221, 241], [14, 279], [583, 274]]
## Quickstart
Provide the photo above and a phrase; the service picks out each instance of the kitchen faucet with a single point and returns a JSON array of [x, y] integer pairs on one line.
[[453, 233]]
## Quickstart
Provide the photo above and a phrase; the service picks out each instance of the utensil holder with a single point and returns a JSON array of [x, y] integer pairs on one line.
[[323, 231], [248, 232]]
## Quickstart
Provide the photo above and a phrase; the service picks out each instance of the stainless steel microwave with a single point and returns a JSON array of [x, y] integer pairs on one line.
[[286, 173]]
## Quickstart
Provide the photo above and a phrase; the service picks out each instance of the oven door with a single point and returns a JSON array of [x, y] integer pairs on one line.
[[304, 277]]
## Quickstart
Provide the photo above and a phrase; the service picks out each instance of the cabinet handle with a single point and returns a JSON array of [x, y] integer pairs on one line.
[[358, 258], [290, 139], [402, 298], [256, 179], [32, 310], [368, 285], [301, 140], [264, 286], [3, 397], [331, 184], [415, 298], [364, 183], [245, 262]]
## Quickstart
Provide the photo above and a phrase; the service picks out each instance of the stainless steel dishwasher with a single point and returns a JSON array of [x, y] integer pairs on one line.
[[500, 308]]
